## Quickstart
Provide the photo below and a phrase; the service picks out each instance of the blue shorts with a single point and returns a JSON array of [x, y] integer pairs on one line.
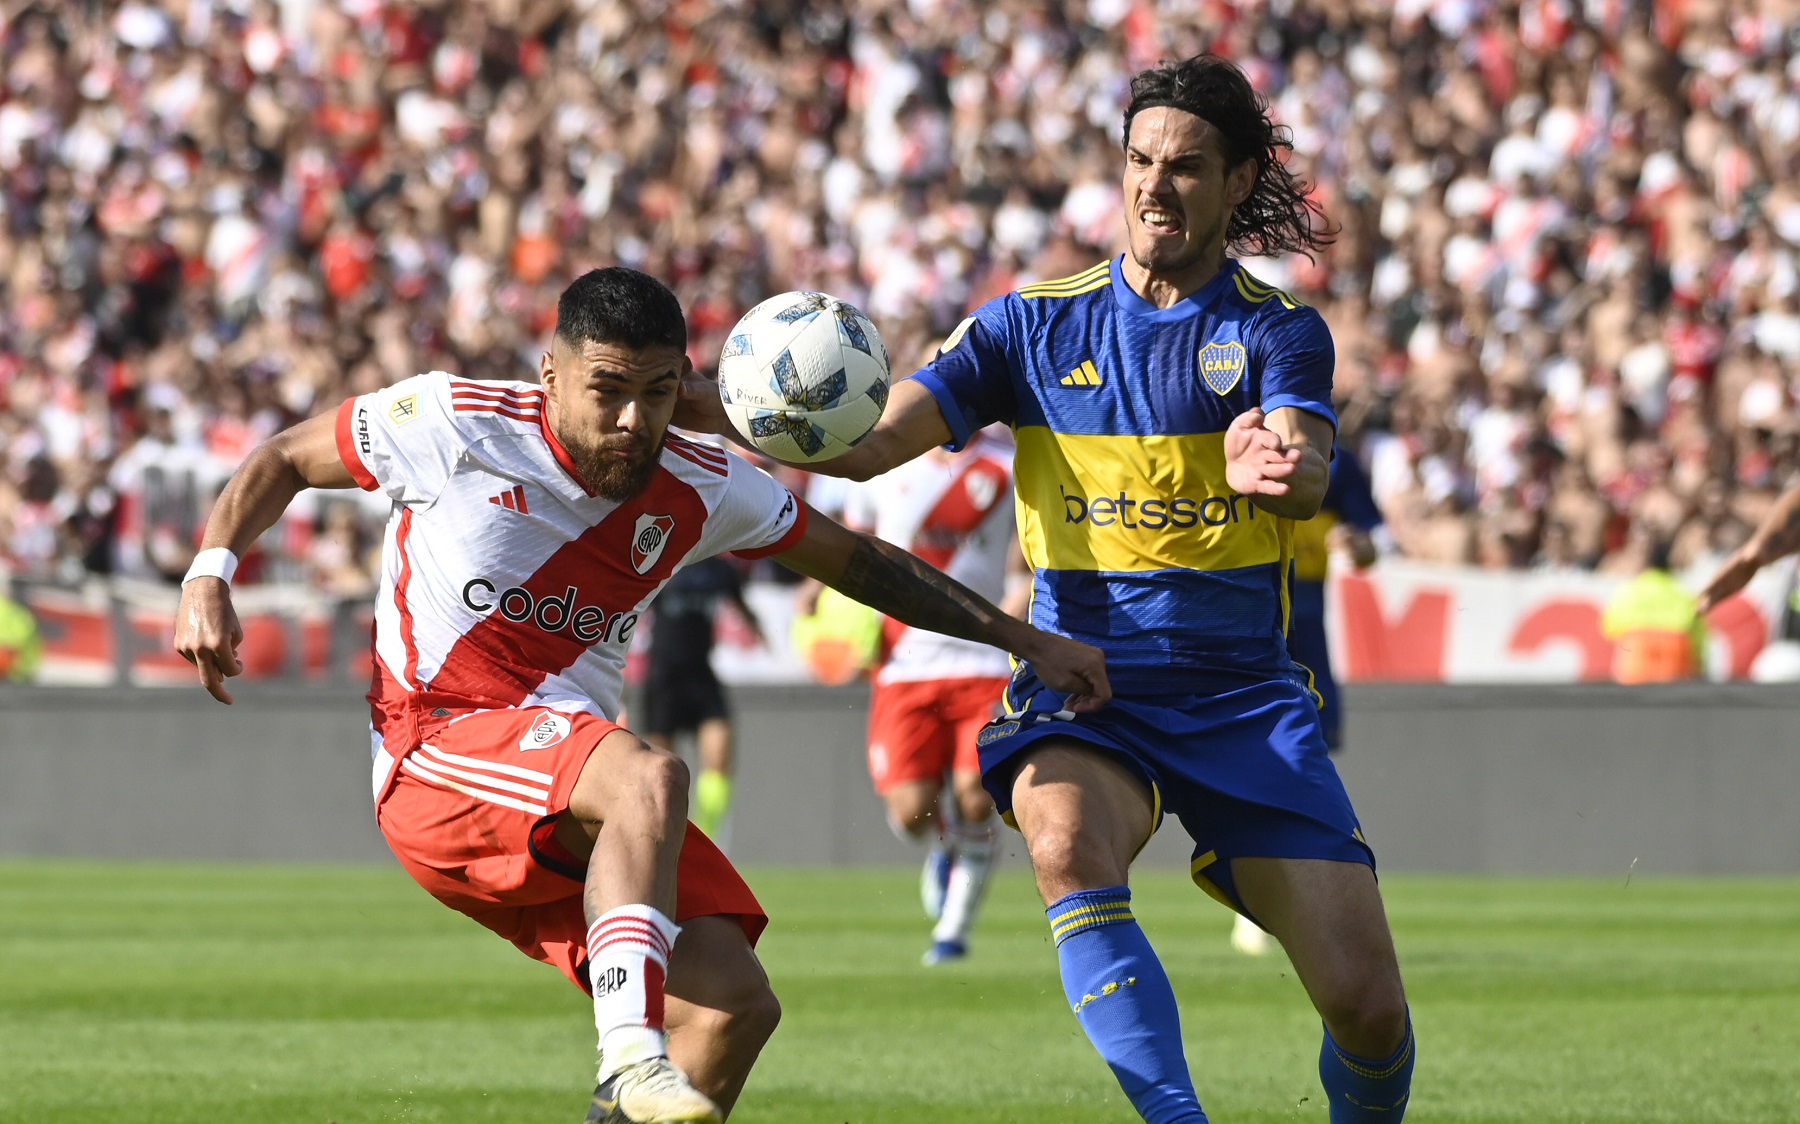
[[1306, 640], [1245, 769]]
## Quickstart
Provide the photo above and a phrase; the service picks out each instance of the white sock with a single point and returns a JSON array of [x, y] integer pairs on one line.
[[628, 960], [975, 848]]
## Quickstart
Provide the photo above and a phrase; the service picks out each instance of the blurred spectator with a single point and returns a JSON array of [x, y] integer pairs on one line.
[[1565, 292], [20, 645], [1654, 622]]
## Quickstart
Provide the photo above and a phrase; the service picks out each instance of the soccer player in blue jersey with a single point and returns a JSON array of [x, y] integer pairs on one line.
[[1346, 518], [1174, 419]]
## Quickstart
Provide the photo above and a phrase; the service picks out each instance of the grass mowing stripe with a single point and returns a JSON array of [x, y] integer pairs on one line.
[[177, 993]]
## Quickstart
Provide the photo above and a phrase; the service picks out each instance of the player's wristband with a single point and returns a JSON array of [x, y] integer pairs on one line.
[[213, 562]]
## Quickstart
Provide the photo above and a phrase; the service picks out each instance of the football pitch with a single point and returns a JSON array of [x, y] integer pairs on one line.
[[302, 995]]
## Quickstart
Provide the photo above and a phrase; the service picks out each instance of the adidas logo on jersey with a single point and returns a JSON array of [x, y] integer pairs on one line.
[[513, 500], [1084, 375]]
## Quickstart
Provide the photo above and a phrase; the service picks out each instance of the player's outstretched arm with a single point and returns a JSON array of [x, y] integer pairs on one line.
[[1281, 460], [1777, 536], [207, 632], [911, 425], [884, 577]]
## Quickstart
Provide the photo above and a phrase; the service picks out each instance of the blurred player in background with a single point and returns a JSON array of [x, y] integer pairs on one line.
[[1343, 526], [1173, 416], [531, 527], [682, 694], [933, 694]]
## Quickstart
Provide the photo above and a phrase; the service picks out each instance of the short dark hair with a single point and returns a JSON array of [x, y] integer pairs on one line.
[[1277, 216], [620, 306]]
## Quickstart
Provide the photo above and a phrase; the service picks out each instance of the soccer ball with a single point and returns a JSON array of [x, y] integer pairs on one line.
[[804, 377]]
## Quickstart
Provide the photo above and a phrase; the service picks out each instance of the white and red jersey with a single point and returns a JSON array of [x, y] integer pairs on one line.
[[952, 512], [505, 581]]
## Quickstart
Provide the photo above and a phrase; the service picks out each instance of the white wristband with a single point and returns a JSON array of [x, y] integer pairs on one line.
[[213, 562]]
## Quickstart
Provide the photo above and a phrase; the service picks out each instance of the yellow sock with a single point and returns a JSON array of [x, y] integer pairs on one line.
[[712, 799]]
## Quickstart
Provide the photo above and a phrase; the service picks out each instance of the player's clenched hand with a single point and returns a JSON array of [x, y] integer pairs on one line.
[[207, 633], [1734, 575], [1077, 670], [699, 410], [1257, 461]]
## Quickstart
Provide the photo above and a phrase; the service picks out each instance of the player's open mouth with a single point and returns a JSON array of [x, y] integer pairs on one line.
[[1158, 221]]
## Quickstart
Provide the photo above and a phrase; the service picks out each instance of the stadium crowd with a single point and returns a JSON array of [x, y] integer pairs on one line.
[[1564, 289]]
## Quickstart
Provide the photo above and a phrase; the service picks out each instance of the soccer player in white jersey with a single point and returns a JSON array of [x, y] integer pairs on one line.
[[531, 526], [933, 693]]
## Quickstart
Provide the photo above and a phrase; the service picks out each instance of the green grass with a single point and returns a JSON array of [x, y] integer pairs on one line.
[[301, 995]]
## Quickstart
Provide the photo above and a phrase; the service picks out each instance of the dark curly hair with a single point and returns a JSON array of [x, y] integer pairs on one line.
[[1277, 216], [620, 306]]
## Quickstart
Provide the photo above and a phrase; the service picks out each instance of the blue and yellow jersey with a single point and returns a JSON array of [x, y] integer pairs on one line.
[[1348, 499], [1120, 409]]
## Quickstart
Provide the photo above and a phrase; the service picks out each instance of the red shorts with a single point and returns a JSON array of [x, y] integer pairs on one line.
[[471, 815], [922, 729]]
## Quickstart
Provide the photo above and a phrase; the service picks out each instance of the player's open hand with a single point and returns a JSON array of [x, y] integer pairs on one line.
[[1257, 461], [1077, 670], [1734, 575], [698, 409], [207, 634]]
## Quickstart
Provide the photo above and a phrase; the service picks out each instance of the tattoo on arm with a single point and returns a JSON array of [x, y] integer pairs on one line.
[[888, 579]]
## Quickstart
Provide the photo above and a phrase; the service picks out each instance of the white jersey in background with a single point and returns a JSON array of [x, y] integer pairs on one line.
[[953, 511], [505, 582]]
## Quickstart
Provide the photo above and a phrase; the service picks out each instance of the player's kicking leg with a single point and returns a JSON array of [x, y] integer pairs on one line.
[[1328, 915], [1084, 817], [720, 1013], [632, 801]]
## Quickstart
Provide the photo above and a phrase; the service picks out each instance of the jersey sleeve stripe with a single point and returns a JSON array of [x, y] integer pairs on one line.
[[717, 468], [1062, 294], [461, 399], [1057, 285], [504, 412], [490, 391], [786, 542], [710, 452], [347, 451]]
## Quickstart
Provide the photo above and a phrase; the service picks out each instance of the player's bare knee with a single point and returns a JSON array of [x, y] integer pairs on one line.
[[913, 813], [756, 1016], [744, 1021], [974, 805], [666, 777], [1065, 860], [656, 786], [1368, 1020]]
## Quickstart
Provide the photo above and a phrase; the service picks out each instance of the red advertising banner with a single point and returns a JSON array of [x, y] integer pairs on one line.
[[1406, 623]]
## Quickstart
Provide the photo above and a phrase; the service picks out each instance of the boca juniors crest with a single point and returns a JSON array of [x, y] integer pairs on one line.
[[648, 539], [1222, 365]]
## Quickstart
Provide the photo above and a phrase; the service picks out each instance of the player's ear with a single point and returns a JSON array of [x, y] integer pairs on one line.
[[546, 370], [1240, 181]]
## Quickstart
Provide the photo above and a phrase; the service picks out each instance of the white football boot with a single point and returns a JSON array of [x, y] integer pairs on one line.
[[651, 1092]]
